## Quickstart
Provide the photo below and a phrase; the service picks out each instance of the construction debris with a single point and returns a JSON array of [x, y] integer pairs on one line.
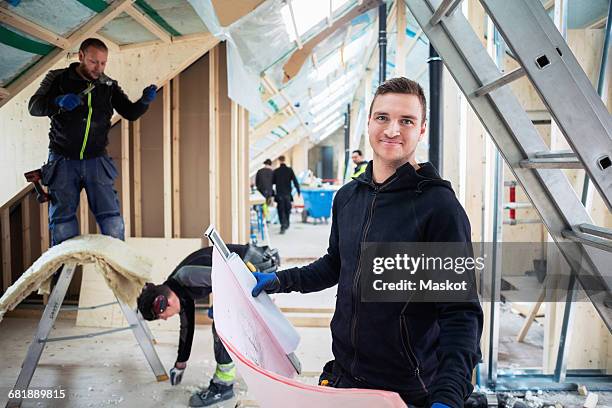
[[591, 400], [582, 390]]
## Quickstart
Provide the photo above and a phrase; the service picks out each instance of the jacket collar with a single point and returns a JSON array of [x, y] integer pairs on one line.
[[73, 74], [406, 177]]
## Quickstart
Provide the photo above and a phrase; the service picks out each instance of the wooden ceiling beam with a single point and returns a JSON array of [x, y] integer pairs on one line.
[[268, 125]]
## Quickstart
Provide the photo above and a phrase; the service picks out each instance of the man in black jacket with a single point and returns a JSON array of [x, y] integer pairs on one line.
[[80, 100], [264, 181], [282, 178], [191, 281], [424, 351]]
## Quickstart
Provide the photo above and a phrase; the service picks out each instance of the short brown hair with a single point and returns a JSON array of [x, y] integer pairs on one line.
[[281, 159], [93, 42], [401, 85]]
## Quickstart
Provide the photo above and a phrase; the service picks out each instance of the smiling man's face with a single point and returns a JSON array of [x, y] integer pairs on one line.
[[395, 127]]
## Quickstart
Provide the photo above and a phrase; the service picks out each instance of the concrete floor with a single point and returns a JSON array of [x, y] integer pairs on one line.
[[111, 370]]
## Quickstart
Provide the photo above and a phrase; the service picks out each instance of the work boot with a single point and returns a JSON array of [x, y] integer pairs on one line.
[[213, 394]]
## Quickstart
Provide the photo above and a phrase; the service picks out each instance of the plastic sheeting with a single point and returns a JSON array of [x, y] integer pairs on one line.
[[179, 14], [255, 326], [243, 82], [13, 60], [258, 337], [275, 391]]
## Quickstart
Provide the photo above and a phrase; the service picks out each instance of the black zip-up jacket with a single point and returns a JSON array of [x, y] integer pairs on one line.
[[424, 351], [282, 177], [83, 132]]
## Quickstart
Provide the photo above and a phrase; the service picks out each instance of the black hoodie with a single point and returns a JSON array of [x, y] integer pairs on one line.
[[421, 350], [81, 133]]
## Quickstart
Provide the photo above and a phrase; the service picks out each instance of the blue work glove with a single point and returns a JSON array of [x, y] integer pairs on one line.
[[68, 101], [439, 405], [267, 282], [176, 375], [148, 94]]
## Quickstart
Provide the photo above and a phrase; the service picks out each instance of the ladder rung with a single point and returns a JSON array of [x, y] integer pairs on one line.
[[511, 206], [526, 221], [589, 239], [559, 154], [548, 163], [501, 81], [596, 230], [539, 117], [446, 9]]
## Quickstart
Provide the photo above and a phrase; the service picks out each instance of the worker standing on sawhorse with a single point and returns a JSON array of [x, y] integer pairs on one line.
[[80, 101]]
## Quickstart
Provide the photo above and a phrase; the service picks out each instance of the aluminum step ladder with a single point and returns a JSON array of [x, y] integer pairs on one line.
[[576, 107], [41, 338]]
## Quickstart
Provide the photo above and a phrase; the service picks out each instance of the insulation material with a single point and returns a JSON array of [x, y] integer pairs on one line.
[[166, 254], [180, 15], [59, 16], [124, 270], [13, 61], [125, 30], [255, 326]]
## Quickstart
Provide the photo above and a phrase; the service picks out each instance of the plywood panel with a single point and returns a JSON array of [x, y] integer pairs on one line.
[[152, 170], [194, 150]]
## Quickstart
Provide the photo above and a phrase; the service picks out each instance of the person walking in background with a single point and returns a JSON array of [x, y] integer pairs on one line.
[[263, 181], [282, 178]]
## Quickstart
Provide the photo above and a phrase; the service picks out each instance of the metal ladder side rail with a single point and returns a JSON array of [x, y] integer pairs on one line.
[[548, 61], [45, 325], [515, 136]]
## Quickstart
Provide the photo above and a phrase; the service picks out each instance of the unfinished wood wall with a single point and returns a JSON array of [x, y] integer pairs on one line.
[[227, 143], [194, 149], [165, 182]]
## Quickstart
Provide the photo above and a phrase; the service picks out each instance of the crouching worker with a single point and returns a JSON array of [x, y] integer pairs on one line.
[[191, 281]]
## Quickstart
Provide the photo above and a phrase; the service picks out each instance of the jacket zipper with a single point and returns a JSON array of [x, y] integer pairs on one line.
[[377, 189], [356, 285], [87, 126], [408, 349]]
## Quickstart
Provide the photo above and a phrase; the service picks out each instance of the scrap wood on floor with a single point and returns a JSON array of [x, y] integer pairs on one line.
[[124, 270]]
